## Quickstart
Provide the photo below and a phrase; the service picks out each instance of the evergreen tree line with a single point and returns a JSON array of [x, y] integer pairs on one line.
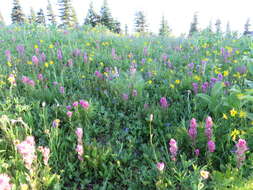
[[104, 17]]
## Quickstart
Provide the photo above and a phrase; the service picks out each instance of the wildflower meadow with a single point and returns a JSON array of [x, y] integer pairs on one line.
[[85, 108]]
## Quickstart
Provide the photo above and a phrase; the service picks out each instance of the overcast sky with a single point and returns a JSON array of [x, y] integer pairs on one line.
[[179, 13]]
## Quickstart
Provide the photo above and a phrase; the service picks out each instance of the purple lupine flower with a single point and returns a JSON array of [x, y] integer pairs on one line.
[[113, 53], [241, 69], [208, 129], [35, 60], [211, 146], [213, 81], [59, 54], [145, 51], [220, 77], [191, 66], [8, 55], [62, 90], [85, 57], [125, 96], [227, 83], [40, 76], [20, 49], [163, 102], [204, 87], [69, 62], [195, 87], [43, 57], [134, 93], [68, 107], [76, 53], [173, 149], [241, 148], [98, 74], [192, 132], [196, 151], [143, 61]]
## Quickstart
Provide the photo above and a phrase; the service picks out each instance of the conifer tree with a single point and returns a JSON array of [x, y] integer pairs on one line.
[[65, 12], [126, 29], [194, 25], [164, 30], [50, 14], [210, 26], [74, 20], [40, 19], [1, 19], [17, 15], [92, 17], [116, 27], [246, 27], [228, 29], [140, 22], [32, 17], [106, 16], [218, 26]]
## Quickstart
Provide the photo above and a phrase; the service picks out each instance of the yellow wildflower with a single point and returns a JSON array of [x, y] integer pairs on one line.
[[149, 81], [51, 62], [177, 81], [172, 86], [233, 112], [225, 116], [204, 174], [225, 73], [234, 134], [242, 114], [51, 46], [36, 46], [29, 62], [46, 65]]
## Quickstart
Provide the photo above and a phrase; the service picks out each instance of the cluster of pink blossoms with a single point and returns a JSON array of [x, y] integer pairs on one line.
[[173, 149], [209, 134], [28, 81], [163, 102], [45, 153], [241, 148], [79, 147], [5, 182], [83, 103], [27, 151]]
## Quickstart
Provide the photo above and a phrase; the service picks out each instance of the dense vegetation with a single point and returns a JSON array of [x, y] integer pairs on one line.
[[86, 109]]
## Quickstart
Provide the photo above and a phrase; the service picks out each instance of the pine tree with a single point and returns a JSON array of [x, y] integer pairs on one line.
[[194, 25], [218, 26], [50, 14], [106, 16], [92, 17], [210, 26], [228, 29], [126, 29], [32, 17], [116, 27], [164, 30], [140, 22], [65, 12], [40, 19], [17, 15], [246, 27], [1, 19], [74, 20]]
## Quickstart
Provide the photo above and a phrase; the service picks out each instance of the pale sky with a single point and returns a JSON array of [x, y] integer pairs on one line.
[[179, 13]]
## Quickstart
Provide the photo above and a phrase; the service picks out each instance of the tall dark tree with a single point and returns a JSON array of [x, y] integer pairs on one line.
[[32, 17], [17, 15], [74, 20], [228, 29], [247, 27], [126, 29], [164, 30], [40, 19], [1, 19], [50, 14], [65, 12], [194, 24], [218, 26], [106, 16], [140, 22], [92, 17], [116, 27], [210, 26]]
